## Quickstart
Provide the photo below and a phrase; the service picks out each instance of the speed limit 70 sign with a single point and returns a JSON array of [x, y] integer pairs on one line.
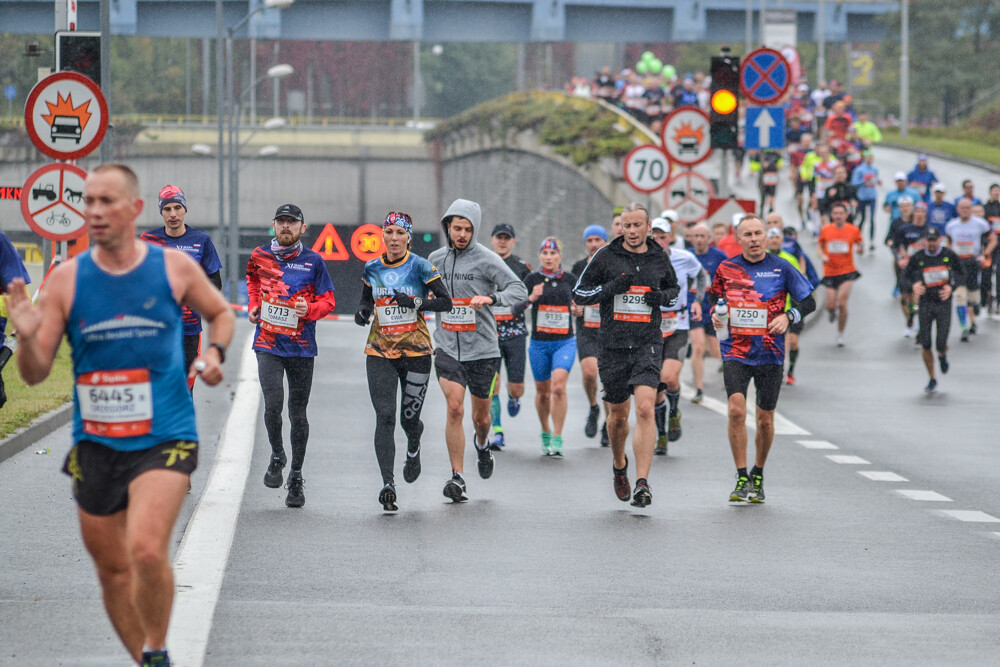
[[647, 168]]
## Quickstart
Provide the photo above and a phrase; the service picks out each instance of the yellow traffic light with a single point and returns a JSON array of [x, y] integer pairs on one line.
[[723, 102]]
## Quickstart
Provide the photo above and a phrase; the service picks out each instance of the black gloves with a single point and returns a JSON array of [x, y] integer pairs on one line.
[[653, 298], [404, 300], [619, 284], [363, 316]]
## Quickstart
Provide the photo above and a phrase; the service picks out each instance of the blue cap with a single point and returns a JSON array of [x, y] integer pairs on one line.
[[595, 230]]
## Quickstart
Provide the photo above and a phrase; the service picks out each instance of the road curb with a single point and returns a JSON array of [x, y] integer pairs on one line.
[[35, 431]]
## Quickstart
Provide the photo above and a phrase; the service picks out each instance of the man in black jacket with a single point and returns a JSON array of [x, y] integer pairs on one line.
[[631, 278]]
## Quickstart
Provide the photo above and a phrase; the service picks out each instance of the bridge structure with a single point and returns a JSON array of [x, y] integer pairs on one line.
[[578, 21]]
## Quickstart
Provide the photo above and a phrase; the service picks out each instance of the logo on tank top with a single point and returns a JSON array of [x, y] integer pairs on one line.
[[121, 327]]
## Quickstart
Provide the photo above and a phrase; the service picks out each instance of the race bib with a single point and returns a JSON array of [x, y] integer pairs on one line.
[[965, 248], [631, 307], [748, 318], [393, 318], [552, 319], [502, 313], [770, 178], [838, 247], [653, 110], [592, 316], [116, 404], [936, 275], [278, 316], [461, 317], [668, 323], [995, 223]]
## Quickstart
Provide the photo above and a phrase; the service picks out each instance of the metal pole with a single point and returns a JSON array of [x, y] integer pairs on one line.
[[418, 83], [763, 22], [748, 37], [821, 57], [253, 77], [724, 173], [276, 83], [187, 76], [232, 240], [206, 75], [108, 144], [904, 71], [220, 112]]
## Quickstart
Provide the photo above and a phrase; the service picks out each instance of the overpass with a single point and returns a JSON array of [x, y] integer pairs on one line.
[[654, 21]]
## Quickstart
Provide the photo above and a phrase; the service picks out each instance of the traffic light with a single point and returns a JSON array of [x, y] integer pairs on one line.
[[79, 52], [724, 102]]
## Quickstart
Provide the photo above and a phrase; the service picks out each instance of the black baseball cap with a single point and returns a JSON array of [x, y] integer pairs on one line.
[[291, 210], [933, 234], [504, 228]]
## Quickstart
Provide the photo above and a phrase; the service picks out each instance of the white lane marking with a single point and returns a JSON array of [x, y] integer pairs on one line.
[[817, 444], [847, 459], [782, 426], [882, 476], [932, 496], [201, 559], [971, 515]]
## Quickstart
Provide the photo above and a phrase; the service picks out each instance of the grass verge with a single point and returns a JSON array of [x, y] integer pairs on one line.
[[25, 403], [963, 143]]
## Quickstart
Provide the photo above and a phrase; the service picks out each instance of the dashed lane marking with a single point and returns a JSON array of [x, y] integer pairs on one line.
[[817, 444], [930, 496], [882, 476], [971, 515], [847, 459], [782, 425]]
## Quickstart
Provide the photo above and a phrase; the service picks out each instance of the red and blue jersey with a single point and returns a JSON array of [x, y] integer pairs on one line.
[[199, 247], [277, 284], [755, 293]]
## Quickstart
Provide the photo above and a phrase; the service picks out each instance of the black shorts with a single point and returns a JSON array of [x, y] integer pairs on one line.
[[101, 475], [622, 368], [833, 282], [476, 375], [192, 346], [766, 378], [970, 271], [797, 327], [588, 342], [675, 345], [933, 311], [768, 190], [801, 186], [514, 357]]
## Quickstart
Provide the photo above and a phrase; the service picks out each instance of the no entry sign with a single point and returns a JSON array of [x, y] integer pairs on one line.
[[66, 116], [52, 202]]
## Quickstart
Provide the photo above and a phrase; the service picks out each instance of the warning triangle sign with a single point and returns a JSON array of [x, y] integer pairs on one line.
[[329, 246]]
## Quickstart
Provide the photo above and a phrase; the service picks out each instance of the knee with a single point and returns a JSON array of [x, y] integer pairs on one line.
[[737, 413], [543, 397], [385, 420], [765, 420], [456, 411], [559, 391], [147, 554], [617, 418], [643, 410]]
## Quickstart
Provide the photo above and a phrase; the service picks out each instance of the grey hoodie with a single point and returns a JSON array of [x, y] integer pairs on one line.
[[477, 270]]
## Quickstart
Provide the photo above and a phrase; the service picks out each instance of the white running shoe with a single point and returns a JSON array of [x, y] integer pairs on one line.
[[840, 341]]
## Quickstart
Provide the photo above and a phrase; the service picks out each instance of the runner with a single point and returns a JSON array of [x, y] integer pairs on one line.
[[939, 211], [837, 242], [630, 278], [675, 322], [755, 285], [588, 331], [921, 178], [968, 192], [865, 178], [932, 274], [396, 288], [891, 205], [991, 210], [553, 345], [11, 266], [907, 239], [467, 353], [289, 289], [131, 460], [198, 245], [840, 191], [512, 335], [799, 259], [702, 332], [966, 234]]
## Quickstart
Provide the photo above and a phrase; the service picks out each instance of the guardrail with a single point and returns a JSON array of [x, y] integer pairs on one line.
[[180, 120]]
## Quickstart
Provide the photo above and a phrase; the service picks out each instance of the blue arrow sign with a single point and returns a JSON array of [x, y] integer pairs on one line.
[[10, 92], [765, 128], [764, 76]]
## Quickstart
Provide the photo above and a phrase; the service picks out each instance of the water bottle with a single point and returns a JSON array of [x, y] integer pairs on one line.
[[722, 312], [8, 349]]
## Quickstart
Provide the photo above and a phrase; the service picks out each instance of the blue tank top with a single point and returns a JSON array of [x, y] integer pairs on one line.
[[128, 359]]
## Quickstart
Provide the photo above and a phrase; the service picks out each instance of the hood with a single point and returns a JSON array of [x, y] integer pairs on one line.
[[470, 211]]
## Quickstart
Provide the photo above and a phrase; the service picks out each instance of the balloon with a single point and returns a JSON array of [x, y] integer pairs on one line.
[[648, 56], [669, 72], [642, 67], [655, 66]]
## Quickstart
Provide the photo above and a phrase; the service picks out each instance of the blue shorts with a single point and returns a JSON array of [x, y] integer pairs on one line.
[[548, 355]]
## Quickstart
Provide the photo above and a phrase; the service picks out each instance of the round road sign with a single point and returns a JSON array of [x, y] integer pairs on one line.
[[366, 242], [52, 202], [764, 76], [686, 137], [66, 116], [688, 193], [646, 168]]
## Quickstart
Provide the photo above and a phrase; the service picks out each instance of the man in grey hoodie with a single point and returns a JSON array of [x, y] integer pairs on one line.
[[467, 353]]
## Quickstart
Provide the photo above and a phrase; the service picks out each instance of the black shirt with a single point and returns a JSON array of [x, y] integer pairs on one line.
[[555, 302]]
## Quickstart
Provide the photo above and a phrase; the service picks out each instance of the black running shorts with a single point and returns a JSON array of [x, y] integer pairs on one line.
[[833, 282], [766, 379], [514, 357], [476, 375], [675, 345], [622, 368], [588, 342], [101, 475]]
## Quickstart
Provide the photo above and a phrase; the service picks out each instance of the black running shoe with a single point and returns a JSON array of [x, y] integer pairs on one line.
[[388, 498], [643, 495], [944, 365], [273, 477], [296, 496], [972, 329], [699, 396], [411, 468], [757, 491], [674, 426], [605, 441], [964, 337], [155, 659], [742, 491], [931, 387], [454, 488], [486, 461], [622, 488], [590, 430]]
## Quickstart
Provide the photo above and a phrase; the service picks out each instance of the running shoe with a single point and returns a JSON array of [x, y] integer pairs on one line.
[[622, 488], [840, 341], [605, 440], [497, 443], [590, 430], [273, 477], [155, 659], [895, 291], [757, 491], [944, 365], [546, 443], [674, 426], [556, 448], [411, 468], [790, 379], [699, 395], [296, 496], [907, 332], [831, 315], [643, 495], [972, 329], [965, 337], [742, 491], [454, 488], [931, 387], [388, 498], [513, 405], [661, 445], [486, 461]]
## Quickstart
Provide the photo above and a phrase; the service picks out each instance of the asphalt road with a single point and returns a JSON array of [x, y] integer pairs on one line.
[[545, 566]]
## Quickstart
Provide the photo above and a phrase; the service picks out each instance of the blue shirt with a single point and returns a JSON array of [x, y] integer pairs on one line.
[[410, 275], [893, 197], [938, 215], [865, 179], [923, 179], [199, 247]]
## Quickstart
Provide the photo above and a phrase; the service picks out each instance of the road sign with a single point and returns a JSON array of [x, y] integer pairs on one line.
[[647, 168], [685, 136], [765, 128], [859, 69], [366, 242], [66, 116], [722, 209], [689, 193], [329, 246], [52, 202], [10, 92], [764, 76]]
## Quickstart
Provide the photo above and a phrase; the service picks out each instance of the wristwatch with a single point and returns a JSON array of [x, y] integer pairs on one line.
[[417, 302], [221, 350]]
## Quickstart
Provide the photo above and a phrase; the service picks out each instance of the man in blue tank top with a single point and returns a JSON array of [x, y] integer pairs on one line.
[[134, 434]]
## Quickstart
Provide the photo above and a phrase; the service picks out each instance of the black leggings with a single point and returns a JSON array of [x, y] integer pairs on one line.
[[934, 310], [272, 370], [412, 374]]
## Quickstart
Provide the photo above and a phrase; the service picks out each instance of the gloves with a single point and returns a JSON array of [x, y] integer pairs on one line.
[[404, 300], [653, 298], [362, 317], [619, 284]]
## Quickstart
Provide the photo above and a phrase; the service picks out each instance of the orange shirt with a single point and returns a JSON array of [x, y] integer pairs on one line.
[[838, 246], [729, 245]]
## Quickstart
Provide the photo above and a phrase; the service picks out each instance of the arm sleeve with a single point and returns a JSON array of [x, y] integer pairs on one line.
[[806, 306], [441, 301], [589, 287], [253, 285], [669, 287], [216, 279], [367, 297], [701, 284], [909, 276]]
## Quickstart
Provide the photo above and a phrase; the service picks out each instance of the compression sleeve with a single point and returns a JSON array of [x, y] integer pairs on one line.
[[367, 298], [701, 284], [216, 279], [442, 300]]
